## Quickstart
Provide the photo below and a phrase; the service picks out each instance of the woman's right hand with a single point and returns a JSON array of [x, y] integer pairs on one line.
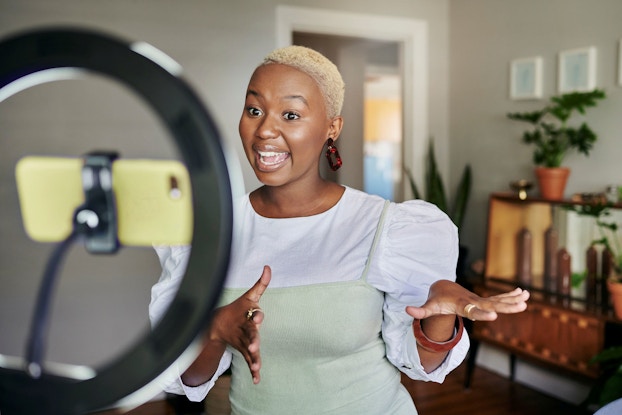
[[231, 324]]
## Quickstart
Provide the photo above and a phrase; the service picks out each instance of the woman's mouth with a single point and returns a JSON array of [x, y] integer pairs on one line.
[[271, 160]]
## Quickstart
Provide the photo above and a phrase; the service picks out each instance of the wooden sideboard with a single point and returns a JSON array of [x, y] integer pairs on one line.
[[561, 331]]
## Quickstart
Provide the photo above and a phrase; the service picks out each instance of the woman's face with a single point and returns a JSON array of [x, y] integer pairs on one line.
[[284, 125]]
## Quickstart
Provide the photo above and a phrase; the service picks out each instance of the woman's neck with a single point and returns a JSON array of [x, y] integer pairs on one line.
[[292, 202]]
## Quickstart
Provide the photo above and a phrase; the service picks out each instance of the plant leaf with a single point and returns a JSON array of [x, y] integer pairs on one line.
[[413, 184], [612, 389], [530, 117], [462, 197], [434, 182], [607, 355]]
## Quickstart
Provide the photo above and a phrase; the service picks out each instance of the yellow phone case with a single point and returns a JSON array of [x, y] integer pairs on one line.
[[153, 199]]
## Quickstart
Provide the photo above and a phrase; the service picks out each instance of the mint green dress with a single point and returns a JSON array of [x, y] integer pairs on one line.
[[322, 353]]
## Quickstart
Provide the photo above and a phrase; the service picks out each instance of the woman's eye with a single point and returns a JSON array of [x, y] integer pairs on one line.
[[253, 112], [291, 116]]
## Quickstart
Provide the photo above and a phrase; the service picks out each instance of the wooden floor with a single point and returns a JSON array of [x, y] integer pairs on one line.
[[490, 394]]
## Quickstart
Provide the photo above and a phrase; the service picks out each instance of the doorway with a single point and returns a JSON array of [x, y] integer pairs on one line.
[[371, 140], [354, 42]]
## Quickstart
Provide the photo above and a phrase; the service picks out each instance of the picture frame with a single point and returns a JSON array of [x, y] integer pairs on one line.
[[526, 78], [577, 70]]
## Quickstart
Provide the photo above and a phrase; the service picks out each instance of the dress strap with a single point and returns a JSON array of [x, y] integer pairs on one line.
[[376, 239]]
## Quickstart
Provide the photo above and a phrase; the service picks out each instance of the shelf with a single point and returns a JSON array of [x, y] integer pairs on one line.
[[561, 331], [605, 312]]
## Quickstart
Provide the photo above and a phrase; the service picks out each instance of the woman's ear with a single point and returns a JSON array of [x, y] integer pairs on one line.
[[334, 129]]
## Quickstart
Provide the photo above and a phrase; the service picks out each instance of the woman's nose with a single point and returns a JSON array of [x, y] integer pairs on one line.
[[267, 128]]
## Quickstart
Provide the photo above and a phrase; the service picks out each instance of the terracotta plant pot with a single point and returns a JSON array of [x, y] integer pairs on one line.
[[552, 181], [615, 293]]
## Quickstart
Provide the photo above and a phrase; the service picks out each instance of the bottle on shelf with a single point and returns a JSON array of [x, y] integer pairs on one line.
[[592, 289], [550, 260], [605, 270], [523, 257], [563, 274]]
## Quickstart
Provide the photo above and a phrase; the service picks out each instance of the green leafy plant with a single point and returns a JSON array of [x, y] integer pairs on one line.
[[608, 387], [435, 189], [551, 135], [611, 241], [577, 278]]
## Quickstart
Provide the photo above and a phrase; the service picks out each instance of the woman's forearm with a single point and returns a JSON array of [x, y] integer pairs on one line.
[[205, 366], [439, 328]]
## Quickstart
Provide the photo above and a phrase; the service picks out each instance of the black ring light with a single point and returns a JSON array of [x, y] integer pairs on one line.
[[195, 134]]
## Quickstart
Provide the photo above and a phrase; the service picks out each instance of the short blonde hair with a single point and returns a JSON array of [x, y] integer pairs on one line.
[[318, 67]]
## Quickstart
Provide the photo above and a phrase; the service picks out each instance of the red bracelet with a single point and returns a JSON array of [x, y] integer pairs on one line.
[[437, 347]]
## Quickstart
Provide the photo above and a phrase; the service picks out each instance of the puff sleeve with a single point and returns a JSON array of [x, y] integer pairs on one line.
[[174, 260], [418, 246]]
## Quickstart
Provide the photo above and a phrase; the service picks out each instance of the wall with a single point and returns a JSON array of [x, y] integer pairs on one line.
[[485, 36], [101, 303]]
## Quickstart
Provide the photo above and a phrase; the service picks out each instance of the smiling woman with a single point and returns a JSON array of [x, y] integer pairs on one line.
[[283, 133], [345, 289]]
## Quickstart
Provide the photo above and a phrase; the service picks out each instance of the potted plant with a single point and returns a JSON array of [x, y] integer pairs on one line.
[[435, 193], [435, 189], [553, 138]]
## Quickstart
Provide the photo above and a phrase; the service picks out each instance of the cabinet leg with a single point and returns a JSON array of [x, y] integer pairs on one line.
[[512, 366]]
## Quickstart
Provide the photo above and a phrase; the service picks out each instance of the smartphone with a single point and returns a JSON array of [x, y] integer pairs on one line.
[[153, 199]]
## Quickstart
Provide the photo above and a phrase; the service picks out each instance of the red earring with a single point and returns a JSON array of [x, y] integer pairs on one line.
[[331, 151]]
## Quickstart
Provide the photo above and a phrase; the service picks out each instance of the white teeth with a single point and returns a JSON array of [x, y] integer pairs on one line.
[[272, 158], [269, 153]]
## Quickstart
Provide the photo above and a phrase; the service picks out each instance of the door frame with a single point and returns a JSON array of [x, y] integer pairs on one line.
[[413, 37]]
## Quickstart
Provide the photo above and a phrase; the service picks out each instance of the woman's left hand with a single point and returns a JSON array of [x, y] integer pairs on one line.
[[448, 297]]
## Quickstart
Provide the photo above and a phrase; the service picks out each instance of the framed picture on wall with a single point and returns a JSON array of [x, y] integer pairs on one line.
[[526, 78], [577, 70]]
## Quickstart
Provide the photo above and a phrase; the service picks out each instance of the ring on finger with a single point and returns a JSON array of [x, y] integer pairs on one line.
[[251, 312], [467, 311]]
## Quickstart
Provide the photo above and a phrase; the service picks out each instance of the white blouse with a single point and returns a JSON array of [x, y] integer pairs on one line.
[[418, 246]]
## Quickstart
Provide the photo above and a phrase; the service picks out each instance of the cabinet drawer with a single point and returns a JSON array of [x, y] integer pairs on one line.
[[552, 335]]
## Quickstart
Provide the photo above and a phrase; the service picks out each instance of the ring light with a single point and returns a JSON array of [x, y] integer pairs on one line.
[[40, 56]]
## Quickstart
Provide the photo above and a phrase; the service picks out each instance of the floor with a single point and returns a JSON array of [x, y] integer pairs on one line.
[[489, 394]]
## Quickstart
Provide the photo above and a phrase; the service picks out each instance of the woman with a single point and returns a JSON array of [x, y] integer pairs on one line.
[[352, 290]]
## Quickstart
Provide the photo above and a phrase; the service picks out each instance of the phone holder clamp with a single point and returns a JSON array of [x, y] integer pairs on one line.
[[96, 220]]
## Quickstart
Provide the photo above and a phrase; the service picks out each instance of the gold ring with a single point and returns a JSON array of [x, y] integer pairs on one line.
[[467, 310], [250, 312]]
